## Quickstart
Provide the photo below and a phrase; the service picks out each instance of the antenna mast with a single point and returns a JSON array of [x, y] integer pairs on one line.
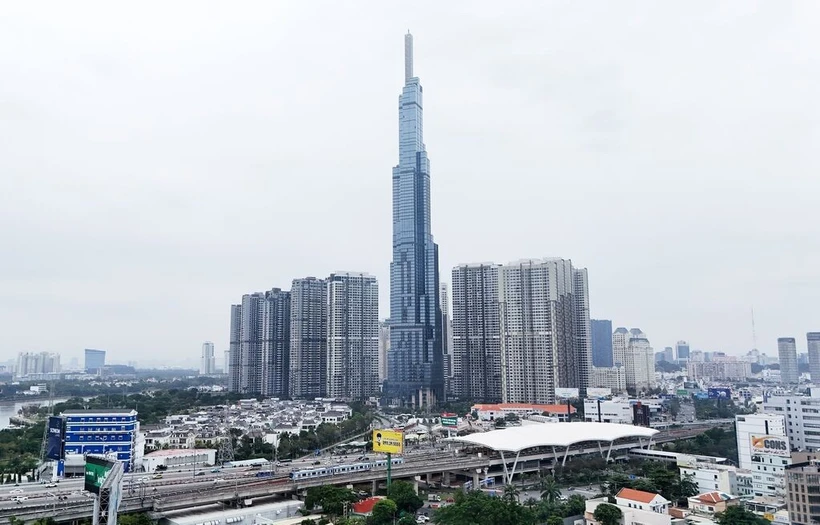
[[754, 332]]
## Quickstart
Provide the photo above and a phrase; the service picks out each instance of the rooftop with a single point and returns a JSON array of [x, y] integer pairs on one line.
[[120, 411], [178, 452], [637, 495], [552, 409], [713, 497], [516, 439]]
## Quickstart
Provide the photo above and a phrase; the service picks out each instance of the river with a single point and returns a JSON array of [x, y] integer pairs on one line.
[[9, 409]]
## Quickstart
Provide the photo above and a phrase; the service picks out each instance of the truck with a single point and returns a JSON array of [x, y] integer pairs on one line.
[[433, 497]]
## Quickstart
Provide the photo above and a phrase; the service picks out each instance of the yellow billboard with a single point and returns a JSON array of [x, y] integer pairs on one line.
[[390, 441]]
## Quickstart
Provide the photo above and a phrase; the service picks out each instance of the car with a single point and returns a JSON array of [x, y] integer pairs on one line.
[[157, 476], [317, 462], [200, 473], [214, 470], [16, 491], [218, 480], [20, 499], [51, 485], [422, 519]]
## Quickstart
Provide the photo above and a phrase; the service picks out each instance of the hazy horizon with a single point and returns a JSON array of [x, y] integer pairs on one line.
[[161, 161]]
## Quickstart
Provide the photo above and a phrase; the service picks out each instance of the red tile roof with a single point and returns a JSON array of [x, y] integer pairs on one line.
[[636, 495], [366, 505], [551, 409], [711, 497]]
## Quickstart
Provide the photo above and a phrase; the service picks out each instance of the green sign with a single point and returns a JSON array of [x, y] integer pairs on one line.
[[449, 421], [683, 393], [96, 470]]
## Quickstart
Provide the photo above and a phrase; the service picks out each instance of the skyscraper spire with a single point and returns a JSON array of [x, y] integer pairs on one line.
[[408, 56], [414, 361]]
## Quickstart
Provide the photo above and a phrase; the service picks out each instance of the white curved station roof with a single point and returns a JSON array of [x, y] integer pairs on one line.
[[516, 439]]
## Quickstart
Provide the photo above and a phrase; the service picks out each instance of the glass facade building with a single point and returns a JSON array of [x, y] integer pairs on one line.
[[602, 343], [414, 371]]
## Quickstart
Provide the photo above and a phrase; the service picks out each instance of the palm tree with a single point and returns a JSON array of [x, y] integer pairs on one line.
[[511, 493], [530, 502], [549, 489]]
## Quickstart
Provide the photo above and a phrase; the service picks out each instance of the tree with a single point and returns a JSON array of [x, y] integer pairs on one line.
[[405, 497], [555, 520], [479, 508], [549, 489], [607, 514], [383, 512], [511, 493], [739, 516], [575, 506], [332, 499], [406, 520], [135, 519]]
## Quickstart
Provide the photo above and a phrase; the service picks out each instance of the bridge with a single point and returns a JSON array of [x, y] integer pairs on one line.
[[181, 491]]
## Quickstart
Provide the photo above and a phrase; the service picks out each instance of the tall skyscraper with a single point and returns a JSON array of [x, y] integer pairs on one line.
[[476, 333], [631, 349], [601, 343], [384, 348], [640, 367], [544, 329], [787, 353], [582, 330], [275, 334], [813, 340], [233, 365], [308, 338], [682, 350], [620, 343], [415, 372], [352, 336], [250, 343], [207, 361], [94, 360], [446, 324]]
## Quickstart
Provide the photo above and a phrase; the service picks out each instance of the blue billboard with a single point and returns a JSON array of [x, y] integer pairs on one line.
[[720, 393], [55, 443]]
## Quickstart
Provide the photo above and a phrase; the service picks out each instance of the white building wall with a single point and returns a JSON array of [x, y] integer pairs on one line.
[[767, 469], [614, 411], [802, 415]]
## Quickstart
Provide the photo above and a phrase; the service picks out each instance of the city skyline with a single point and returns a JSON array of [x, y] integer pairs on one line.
[[593, 144]]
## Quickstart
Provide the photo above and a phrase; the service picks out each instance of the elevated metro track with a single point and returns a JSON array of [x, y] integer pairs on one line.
[[180, 495]]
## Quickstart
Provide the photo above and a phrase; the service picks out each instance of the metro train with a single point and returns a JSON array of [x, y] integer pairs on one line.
[[318, 472]]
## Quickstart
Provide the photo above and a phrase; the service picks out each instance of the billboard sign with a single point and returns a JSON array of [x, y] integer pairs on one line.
[[771, 445], [566, 393], [55, 443], [598, 392], [96, 470], [720, 393], [390, 441], [449, 420]]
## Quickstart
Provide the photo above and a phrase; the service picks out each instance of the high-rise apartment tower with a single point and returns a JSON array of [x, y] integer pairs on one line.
[[352, 336], [787, 353]]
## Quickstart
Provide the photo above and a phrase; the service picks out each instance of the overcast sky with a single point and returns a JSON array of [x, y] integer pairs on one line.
[[158, 162]]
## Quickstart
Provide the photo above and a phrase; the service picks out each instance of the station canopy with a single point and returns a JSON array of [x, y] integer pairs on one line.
[[518, 438]]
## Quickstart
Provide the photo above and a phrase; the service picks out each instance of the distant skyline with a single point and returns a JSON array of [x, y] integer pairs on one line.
[[155, 168]]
